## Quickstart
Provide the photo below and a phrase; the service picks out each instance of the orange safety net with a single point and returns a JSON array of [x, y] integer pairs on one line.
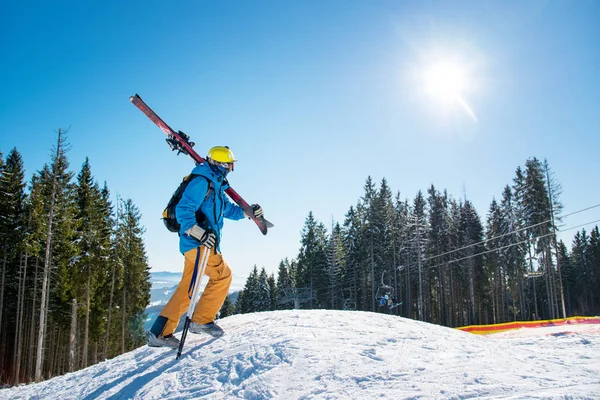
[[507, 326]]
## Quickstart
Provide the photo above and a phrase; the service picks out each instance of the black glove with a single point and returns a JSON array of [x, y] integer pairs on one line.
[[256, 210], [206, 237]]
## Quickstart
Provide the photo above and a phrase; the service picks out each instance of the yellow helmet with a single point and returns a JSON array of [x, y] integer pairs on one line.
[[221, 154]]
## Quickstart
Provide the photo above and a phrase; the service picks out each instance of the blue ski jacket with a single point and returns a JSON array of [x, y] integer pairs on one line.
[[215, 207]]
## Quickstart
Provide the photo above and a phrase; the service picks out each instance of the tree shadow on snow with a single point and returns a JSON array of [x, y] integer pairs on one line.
[[141, 375]]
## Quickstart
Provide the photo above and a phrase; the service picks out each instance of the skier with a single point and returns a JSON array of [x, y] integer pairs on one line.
[[388, 301], [383, 301], [200, 213]]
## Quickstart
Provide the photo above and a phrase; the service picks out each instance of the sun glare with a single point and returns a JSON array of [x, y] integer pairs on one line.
[[446, 82]]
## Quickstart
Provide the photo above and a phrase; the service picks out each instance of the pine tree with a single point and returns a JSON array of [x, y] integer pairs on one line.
[[103, 276], [569, 278], [228, 308], [554, 191], [402, 209], [382, 222], [594, 259], [262, 301], [456, 275], [352, 273], [285, 285], [418, 243], [312, 262], [34, 239], [472, 231], [59, 250], [238, 304], [115, 278], [90, 273], [12, 231], [248, 296], [493, 260], [512, 250], [336, 255], [272, 292], [538, 219], [437, 251], [134, 294]]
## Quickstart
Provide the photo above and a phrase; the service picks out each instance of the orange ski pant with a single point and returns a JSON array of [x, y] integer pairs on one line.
[[212, 297]]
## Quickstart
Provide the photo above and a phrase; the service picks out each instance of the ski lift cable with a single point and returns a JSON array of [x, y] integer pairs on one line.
[[487, 240], [338, 284], [500, 248], [512, 244], [513, 232]]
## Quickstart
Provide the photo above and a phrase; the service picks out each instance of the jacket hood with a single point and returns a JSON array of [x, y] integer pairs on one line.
[[204, 169]]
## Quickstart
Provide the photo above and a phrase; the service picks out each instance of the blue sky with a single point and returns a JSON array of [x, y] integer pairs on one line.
[[312, 96]]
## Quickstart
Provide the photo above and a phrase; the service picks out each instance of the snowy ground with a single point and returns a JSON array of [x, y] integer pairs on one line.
[[344, 355]]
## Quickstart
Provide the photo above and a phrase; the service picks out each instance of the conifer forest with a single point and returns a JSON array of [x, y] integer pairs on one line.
[[75, 280], [439, 260]]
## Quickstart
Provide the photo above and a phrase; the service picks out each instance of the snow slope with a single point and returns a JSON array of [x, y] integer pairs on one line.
[[321, 354]]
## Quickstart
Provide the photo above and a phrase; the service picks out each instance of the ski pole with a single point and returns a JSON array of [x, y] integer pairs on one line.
[[201, 267]]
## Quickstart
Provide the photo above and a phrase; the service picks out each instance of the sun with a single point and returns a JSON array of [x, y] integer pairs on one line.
[[446, 81]]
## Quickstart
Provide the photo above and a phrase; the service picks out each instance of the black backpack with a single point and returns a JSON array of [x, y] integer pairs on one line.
[[169, 217]]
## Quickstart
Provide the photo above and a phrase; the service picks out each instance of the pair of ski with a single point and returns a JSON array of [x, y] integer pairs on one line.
[[180, 142]]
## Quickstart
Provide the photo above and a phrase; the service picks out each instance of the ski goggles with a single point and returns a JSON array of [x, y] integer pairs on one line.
[[227, 165]]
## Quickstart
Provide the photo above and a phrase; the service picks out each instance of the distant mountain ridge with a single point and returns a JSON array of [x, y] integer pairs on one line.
[[164, 279]]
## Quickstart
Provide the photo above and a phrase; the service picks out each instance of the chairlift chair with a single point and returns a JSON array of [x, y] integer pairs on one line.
[[385, 295], [534, 274]]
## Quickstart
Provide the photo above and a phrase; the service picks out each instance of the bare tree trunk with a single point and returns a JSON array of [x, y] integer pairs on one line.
[[56, 353], [2, 283], [537, 315], [560, 282], [47, 306], [420, 280], [32, 327], [452, 318], [20, 312], [52, 333], [25, 346], [372, 278], [123, 319], [502, 294], [95, 354], [73, 336], [442, 295], [86, 328], [549, 289], [110, 306], [45, 280], [43, 311], [522, 299], [494, 300], [61, 352], [471, 291]]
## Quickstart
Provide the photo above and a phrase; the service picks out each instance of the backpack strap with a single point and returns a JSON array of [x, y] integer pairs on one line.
[[210, 187], [200, 217], [190, 177]]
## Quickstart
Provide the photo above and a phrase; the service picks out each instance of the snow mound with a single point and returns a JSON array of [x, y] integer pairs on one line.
[[323, 354]]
